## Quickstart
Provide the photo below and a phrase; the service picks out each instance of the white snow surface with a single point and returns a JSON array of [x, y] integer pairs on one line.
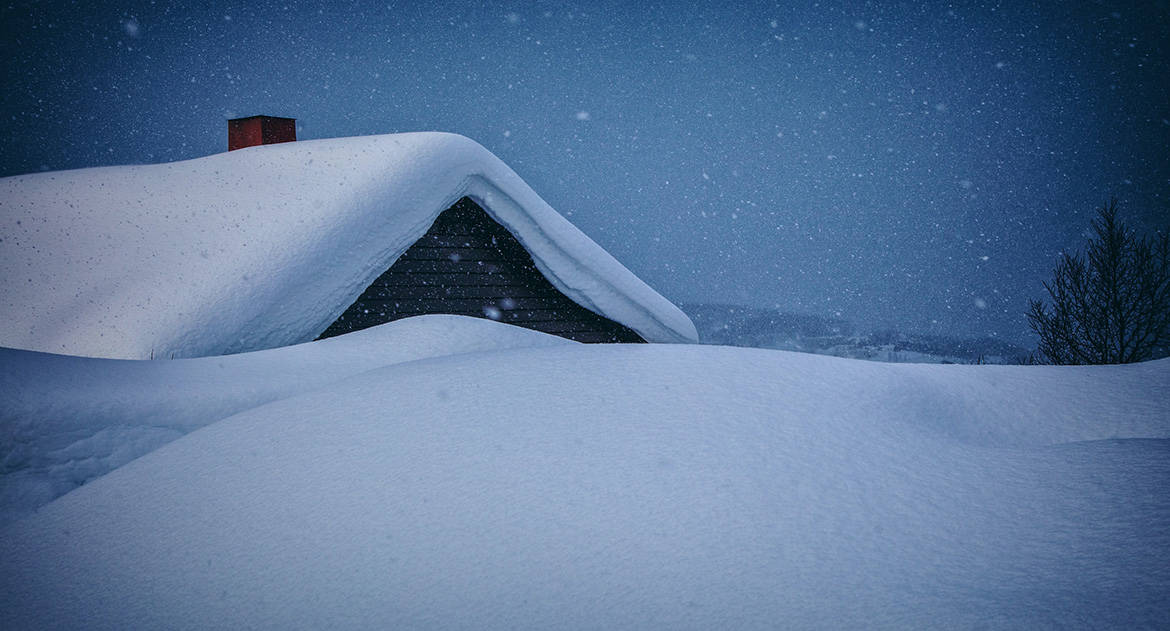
[[67, 420], [266, 246], [603, 486]]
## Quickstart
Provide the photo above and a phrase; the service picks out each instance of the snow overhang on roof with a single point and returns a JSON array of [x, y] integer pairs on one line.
[[265, 247]]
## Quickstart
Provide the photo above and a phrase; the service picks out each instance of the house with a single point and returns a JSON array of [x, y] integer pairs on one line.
[[280, 244]]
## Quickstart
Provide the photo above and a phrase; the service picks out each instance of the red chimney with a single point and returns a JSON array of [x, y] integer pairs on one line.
[[260, 130]]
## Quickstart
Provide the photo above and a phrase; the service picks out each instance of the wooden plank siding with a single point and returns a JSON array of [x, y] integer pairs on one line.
[[467, 264]]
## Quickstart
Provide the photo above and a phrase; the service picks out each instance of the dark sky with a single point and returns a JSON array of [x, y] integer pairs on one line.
[[915, 165]]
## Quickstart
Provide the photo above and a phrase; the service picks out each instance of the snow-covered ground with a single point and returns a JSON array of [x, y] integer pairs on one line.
[[451, 473], [67, 420]]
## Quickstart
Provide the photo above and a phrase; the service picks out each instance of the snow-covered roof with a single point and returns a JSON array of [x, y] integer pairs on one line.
[[266, 246]]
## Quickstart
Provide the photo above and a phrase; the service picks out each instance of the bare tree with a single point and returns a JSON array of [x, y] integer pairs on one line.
[[1111, 305]]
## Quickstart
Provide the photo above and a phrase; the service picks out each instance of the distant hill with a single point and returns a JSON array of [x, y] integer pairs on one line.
[[734, 325]]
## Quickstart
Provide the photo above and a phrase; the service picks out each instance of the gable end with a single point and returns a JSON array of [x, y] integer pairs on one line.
[[468, 264]]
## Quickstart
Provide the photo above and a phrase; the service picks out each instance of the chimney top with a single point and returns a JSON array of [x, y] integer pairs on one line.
[[260, 130]]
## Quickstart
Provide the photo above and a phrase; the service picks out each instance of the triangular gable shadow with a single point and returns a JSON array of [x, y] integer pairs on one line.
[[467, 264]]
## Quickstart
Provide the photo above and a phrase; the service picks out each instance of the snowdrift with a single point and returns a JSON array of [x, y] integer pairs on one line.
[[68, 420], [625, 486], [266, 246]]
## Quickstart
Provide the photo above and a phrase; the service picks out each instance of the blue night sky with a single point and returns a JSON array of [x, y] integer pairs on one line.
[[911, 165]]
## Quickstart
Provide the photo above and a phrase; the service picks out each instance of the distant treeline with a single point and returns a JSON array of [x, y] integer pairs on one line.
[[735, 325]]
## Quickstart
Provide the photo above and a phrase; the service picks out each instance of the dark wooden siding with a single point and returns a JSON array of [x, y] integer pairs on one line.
[[467, 264]]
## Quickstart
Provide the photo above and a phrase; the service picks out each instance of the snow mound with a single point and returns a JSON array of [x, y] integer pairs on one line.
[[632, 486], [266, 246], [67, 420]]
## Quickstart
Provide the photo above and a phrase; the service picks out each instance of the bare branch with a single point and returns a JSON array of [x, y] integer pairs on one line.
[[1110, 305]]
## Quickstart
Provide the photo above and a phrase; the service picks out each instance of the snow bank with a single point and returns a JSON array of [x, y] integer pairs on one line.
[[632, 486], [266, 246], [67, 420]]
